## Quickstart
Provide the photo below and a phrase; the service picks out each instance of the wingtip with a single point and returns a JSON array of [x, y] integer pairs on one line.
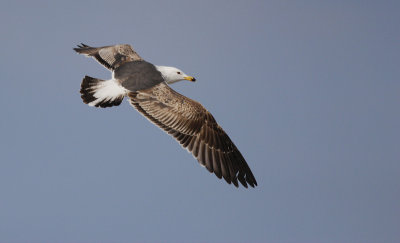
[[80, 47], [235, 182]]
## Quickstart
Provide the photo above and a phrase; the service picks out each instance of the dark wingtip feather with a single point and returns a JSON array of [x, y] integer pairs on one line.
[[82, 48], [235, 182]]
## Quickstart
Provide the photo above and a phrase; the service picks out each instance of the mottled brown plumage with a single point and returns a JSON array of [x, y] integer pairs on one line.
[[196, 130], [110, 56]]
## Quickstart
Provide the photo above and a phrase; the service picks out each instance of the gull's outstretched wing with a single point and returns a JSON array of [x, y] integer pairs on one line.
[[110, 56], [196, 130]]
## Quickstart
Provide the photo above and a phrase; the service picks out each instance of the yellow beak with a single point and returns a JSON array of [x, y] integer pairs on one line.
[[190, 78]]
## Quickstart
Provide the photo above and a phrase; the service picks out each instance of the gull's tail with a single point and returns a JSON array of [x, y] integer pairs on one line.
[[101, 93]]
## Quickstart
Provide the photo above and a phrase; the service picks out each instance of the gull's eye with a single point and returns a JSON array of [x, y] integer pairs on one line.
[[178, 72]]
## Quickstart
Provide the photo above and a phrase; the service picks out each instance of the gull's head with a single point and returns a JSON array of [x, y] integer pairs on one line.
[[173, 74]]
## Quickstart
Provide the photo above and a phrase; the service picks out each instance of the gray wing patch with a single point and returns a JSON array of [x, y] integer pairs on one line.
[[138, 75]]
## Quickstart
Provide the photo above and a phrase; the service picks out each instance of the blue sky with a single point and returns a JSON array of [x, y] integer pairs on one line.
[[308, 91]]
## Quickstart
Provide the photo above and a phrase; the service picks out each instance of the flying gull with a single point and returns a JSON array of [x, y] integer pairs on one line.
[[147, 87]]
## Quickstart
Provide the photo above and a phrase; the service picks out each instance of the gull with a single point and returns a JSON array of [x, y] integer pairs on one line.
[[147, 88]]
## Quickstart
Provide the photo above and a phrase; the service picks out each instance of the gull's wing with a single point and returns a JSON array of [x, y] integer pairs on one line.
[[110, 56], [196, 130]]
